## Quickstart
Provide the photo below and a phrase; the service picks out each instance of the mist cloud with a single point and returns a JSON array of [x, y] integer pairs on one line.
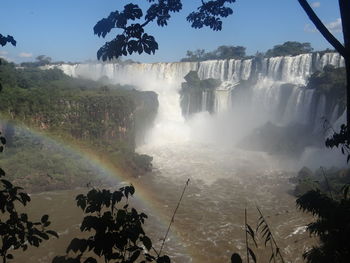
[[25, 55]]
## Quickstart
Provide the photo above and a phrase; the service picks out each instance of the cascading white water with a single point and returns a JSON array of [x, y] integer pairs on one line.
[[204, 100], [271, 99]]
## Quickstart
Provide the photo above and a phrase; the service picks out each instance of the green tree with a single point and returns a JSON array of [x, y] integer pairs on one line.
[[289, 48], [197, 55], [228, 52], [222, 52], [41, 60]]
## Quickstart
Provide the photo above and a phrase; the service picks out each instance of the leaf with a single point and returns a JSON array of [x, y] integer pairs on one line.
[[3, 140], [52, 233], [24, 198], [134, 256], [147, 242], [77, 245], [90, 260], [2, 172], [163, 259], [132, 12], [117, 197], [132, 190], [260, 222], [43, 235], [81, 201], [251, 253], [236, 258], [44, 218], [268, 237], [251, 233], [7, 184]]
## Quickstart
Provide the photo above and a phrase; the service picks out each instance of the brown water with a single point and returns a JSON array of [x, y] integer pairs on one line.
[[208, 226]]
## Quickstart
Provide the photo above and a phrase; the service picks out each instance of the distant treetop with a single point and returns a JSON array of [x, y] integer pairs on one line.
[[289, 48], [222, 52], [292, 48]]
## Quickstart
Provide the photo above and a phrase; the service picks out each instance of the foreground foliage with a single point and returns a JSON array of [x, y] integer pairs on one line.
[[16, 230], [133, 38], [332, 226], [115, 230]]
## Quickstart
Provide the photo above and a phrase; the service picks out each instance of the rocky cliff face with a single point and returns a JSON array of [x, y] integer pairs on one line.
[[106, 116], [197, 95]]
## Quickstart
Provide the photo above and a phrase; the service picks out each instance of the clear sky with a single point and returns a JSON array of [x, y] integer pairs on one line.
[[63, 29]]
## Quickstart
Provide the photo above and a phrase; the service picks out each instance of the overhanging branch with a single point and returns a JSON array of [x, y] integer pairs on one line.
[[322, 28]]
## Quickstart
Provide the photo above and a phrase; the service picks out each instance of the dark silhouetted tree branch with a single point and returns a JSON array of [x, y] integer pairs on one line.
[[344, 50], [322, 28]]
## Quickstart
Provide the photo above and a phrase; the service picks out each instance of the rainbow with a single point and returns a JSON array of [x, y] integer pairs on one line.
[[143, 195]]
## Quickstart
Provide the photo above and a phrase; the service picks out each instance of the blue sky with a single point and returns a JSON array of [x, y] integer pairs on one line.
[[63, 29]]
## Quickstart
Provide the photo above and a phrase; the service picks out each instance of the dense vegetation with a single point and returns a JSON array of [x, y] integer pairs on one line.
[[330, 82], [78, 112], [289, 48], [222, 52], [324, 194], [327, 180]]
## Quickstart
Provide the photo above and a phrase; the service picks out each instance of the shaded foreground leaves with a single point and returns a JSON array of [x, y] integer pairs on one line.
[[116, 230], [133, 38], [16, 230], [332, 226]]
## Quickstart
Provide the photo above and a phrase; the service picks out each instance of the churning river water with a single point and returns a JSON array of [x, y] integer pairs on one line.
[[209, 224]]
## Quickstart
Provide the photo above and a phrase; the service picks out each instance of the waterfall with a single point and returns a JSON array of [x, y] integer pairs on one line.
[[204, 101], [276, 85]]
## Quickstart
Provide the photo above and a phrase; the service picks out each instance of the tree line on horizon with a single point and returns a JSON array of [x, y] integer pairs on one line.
[[288, 48]]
